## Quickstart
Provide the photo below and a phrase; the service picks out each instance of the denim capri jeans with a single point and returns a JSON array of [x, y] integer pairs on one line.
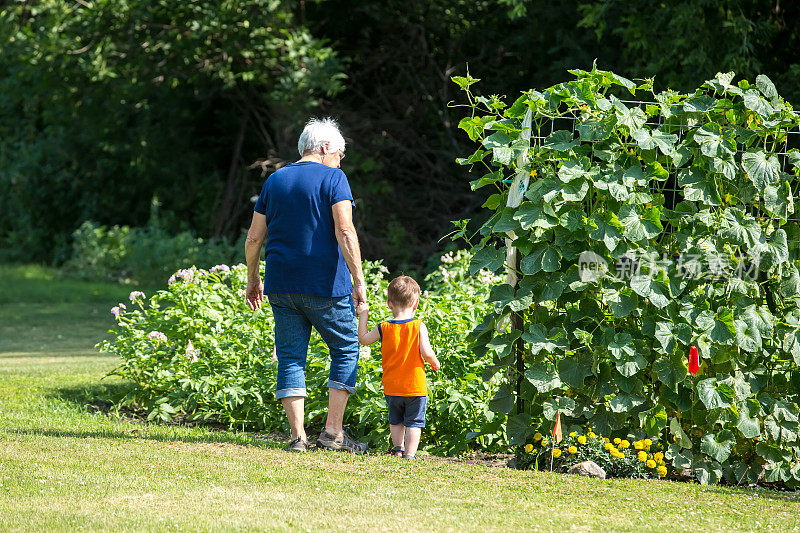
[[334, 319]]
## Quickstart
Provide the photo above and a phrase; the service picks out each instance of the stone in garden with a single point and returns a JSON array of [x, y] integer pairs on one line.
[[587, 468]]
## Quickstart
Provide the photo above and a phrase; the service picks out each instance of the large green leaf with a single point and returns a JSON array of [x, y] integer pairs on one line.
[[748, 338], [719, 326], [538, 339], [653, 421], [762, 169], [503, 400], [573, 370], [531, 215], [791, 344], [552, 406], [623, 403], [741, 228], [712, 143], [489, 258], [596, 129], [544, 257], [573, 169], [607, 229], [637, 228], [632, 117], [707, 472], [655, 290], [775, 251], [718, 446], [682, 439], [621, 302], [519, 428], [754, 102], [714, 396], [497, 139], [575, 191], [670, 370], [561, 140], [766, 87], [779, 200], [699, 186], [543, 376]]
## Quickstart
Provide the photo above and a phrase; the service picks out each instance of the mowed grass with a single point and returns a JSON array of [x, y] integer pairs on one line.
[[63, 467]]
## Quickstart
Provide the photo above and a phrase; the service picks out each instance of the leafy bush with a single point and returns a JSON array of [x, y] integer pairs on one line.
[[144, 255], [691, 197], [196, 349]]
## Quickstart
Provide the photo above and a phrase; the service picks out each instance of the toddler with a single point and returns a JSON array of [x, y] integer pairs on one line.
[[404, 346]]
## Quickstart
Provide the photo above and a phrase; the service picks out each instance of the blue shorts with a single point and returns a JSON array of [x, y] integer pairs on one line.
[[407, 410]]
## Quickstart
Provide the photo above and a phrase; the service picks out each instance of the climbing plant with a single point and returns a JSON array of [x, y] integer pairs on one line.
[[650, 223]]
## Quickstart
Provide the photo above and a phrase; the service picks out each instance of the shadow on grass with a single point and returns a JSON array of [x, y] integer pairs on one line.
[[138, 433], [105, 398], [767, 493]]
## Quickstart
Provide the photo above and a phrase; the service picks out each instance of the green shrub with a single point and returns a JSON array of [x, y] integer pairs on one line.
[[144, 256], [195, 349], [691, 197]]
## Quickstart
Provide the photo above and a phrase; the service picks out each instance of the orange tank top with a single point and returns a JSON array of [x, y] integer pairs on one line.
[[403, 368]]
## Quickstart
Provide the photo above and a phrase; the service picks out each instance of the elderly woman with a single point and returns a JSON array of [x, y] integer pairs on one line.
[[305, 215]]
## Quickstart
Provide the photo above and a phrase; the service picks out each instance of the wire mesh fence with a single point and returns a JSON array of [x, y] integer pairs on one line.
[[787, 140]]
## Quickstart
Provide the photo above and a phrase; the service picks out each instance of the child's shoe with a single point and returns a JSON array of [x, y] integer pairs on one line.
[[397, 451], [409, 457]]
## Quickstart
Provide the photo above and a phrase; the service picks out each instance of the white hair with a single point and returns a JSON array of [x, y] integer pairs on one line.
[[318, 133]]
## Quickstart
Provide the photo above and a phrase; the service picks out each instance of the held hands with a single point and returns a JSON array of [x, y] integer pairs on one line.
[[363, 307]]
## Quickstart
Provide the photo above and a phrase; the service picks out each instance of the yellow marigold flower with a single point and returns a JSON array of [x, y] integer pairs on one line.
[[638, 445], [617, 440], [662, 470], [572, 434], [658, 457], [609, 446], [572, 449], [624, 444], [529, 448], [556, 452], [591, 435], [643, 456], [545, 442], [648, 442], [582, 439], [607, 440], [537, 436], [651, 463]]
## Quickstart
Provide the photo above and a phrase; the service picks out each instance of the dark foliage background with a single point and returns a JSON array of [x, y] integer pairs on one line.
[[112, 107]]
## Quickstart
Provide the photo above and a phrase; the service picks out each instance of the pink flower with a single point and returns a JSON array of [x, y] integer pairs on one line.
[[136, 295], [186, 275], [157, 336], [122, 306], [115, 311], [220, 268], [192, 352]]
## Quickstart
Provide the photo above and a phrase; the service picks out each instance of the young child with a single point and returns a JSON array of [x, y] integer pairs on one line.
[[404, 346]]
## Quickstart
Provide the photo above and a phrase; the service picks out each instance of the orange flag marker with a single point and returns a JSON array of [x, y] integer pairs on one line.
[[557, 436]]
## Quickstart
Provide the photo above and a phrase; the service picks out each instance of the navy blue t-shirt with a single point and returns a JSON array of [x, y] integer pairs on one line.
[[302, 254]]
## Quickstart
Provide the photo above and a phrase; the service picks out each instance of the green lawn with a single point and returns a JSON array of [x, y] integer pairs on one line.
[[62, 467]]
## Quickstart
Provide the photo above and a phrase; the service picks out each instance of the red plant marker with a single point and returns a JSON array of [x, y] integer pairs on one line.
[[694, 360]]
